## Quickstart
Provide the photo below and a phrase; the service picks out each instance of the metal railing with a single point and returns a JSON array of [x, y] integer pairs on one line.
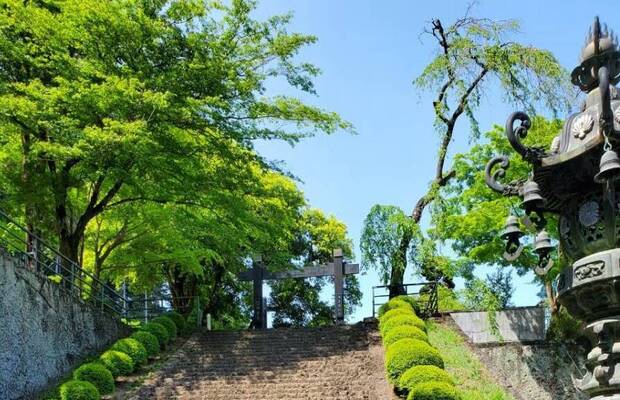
[[145, 307], [425, 295], [39, 256]]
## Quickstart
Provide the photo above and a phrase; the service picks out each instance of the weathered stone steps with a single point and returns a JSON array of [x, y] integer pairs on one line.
[[335, 363]]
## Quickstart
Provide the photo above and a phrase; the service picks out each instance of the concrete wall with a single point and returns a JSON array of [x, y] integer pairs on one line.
[[526, 324], [44, 332]]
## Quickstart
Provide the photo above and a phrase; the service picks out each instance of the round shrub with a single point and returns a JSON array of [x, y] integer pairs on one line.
[[117, 362], [168, 324], [178, 320], [407, 353], [79, 390], [96, 374], [409, 299], [148, 340], [403, 332], [133, 349], [160, 332], [393, 313], [392, 304], [419, 374], [434, 391], [400, 320]]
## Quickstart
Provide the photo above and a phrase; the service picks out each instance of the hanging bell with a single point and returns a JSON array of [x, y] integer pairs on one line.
[[609, 169], [511, 235], [542, 243], [532, 199], [511, 229]]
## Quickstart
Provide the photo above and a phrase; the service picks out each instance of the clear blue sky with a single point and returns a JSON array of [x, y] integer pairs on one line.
[[369, 53]]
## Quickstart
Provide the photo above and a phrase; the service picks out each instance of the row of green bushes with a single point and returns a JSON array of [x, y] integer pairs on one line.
[[413, 366], [96, 378]]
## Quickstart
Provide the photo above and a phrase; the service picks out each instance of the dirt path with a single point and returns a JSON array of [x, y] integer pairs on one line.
[[336, 363]]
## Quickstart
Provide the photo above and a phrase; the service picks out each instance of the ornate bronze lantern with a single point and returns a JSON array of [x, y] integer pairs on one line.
[[576, 179]]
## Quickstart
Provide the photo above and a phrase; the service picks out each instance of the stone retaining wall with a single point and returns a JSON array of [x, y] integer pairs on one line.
[[44, 331]]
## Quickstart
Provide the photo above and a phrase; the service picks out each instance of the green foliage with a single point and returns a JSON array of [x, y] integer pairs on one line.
[[133, 349], [399, 320], [470, 216], [403, 332], [159, 331], [394, 313], [564, 328], [297, 302], [463, 366], [419, 374], [394, 304], [138, 120], [78, 390], [409, 299], [168, 324], [148, 340], [178, 320], [407, 353], [384, 227], [96, 374], [118, 363], [434, 391]]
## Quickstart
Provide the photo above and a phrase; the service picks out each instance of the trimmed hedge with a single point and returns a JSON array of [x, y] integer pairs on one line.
[[434, 391], [78, 390], [133, 349], [168, 324], [160, 332], [407, 353], [400, 320], [392, 304], [403, 332], [395, 312], [409, 299], [178, 320], [148, 340], [117, 362], [419, 374], [96, 374]]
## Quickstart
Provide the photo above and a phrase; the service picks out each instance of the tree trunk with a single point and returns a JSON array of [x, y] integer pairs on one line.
[[553, 305], [69, 247]]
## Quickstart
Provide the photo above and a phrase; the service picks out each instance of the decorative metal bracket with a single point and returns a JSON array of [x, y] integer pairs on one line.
[[533, 155], [491, 178]]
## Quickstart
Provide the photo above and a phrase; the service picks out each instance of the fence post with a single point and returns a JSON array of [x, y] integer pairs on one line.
[[102, 294], [146, 310], [208, 321]]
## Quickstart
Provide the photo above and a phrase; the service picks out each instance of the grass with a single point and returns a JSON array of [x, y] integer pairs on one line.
[[464, 367]]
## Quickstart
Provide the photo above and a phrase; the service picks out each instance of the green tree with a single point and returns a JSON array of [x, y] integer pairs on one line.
[[469, 216], [297, 302], [473, 56], [106, 103]]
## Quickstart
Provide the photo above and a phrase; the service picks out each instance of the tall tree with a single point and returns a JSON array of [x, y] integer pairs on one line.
[[469, 216], [474, 55], [110, 102]]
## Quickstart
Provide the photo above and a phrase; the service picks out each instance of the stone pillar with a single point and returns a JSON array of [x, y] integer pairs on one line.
[[590, 291]]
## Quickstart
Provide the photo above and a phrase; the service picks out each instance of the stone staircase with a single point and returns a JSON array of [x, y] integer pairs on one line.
[[333, 363]]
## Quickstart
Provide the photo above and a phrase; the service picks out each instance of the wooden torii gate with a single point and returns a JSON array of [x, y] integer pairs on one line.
[[338, 268]]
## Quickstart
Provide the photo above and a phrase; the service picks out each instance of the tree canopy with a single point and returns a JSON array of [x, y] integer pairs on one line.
[[127, 131]]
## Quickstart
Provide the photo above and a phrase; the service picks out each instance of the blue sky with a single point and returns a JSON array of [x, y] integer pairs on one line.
[[369, 53]]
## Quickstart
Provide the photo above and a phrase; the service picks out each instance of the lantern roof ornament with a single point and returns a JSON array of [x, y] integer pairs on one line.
[[600, 49]]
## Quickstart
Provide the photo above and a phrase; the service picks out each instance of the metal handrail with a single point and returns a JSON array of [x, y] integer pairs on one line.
[[46, 259], [431, 306]]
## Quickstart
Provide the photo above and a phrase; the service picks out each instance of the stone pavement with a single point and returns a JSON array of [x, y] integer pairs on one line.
[[333, 363]]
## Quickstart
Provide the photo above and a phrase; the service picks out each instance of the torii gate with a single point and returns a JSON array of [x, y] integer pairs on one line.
[[338, 268]]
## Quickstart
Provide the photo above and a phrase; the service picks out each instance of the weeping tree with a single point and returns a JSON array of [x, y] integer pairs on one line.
[[474, 56]]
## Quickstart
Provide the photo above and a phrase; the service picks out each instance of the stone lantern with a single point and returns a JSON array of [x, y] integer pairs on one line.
[[575, 179]]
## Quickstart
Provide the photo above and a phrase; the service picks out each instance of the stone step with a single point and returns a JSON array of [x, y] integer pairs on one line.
[[343, 362]]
